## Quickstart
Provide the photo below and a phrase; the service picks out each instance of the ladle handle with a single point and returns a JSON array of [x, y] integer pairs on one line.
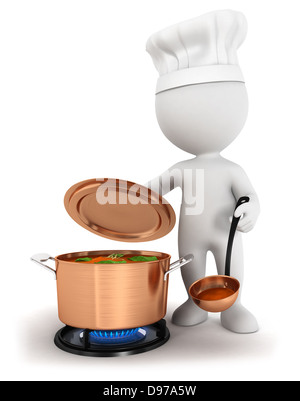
[[234, 223]]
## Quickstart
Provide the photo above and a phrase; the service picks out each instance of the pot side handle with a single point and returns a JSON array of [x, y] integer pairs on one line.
[[179, 263], [43, 257]]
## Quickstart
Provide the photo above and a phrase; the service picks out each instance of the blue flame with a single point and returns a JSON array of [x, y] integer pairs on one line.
[[117, 336]]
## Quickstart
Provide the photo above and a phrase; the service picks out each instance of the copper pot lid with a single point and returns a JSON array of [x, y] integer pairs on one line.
[[119, 210]]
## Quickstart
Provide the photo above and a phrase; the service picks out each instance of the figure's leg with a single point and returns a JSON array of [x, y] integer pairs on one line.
[[189, 314], [237, 318]]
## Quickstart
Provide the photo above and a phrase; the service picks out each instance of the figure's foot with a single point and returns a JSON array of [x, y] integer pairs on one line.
[[239, 320], [189, 314]]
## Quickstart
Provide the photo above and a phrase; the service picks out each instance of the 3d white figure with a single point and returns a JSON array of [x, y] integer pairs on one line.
[[201, 107]]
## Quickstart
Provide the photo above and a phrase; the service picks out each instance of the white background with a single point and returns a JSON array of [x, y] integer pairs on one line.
[[77, 98]]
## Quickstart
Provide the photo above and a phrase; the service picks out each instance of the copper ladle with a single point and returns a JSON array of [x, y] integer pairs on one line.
[[218, 293]]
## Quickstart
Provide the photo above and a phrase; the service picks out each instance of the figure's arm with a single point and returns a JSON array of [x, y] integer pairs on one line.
[[167, 181], [241, 186]]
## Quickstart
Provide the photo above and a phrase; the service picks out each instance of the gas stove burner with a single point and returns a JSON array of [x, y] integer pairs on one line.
[[117, 336], [112, 342]]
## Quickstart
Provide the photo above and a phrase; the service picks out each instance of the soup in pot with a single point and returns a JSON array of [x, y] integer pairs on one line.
[[115, 258]]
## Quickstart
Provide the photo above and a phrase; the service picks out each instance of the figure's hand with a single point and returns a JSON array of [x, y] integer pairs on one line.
[[249, 213]]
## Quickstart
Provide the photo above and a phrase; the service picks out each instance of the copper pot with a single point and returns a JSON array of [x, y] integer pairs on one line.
[[111, 297]]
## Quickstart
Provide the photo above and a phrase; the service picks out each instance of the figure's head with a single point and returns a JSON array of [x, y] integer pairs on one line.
[[201, 99], [203, 118]]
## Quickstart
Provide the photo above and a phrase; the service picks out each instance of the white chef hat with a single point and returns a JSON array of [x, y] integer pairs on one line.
[[200, 50]]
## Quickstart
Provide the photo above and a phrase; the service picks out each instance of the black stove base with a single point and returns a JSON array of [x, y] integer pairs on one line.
[[83, 342]]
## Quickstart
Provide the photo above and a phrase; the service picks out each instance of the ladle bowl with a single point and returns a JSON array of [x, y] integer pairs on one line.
[[215, 293]]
